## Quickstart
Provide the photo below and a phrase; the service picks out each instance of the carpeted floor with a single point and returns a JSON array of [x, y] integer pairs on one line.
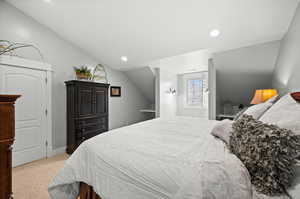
[[30, 181]]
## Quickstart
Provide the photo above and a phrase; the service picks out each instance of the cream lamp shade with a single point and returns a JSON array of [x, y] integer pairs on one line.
[[263, 95]]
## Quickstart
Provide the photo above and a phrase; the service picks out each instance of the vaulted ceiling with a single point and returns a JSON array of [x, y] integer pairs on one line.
[[146, 30]]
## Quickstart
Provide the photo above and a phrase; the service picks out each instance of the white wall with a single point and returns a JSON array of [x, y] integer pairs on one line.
[[287, 72], [62, 55], [157, 91], [168, 101], [125, 110], [184, 63], [241, 71], [170, 67]]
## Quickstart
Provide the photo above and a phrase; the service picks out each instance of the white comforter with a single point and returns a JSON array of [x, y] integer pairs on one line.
[[170, 159]]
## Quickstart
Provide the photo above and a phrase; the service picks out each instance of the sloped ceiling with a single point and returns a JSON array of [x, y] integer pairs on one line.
[[146, 30]]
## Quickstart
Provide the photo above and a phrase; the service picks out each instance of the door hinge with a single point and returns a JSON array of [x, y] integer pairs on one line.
[[46, 112], [46, 145]]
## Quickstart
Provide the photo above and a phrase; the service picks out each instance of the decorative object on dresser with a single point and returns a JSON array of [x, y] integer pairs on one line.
[[95, 74], [7, 137], [87, 111], [115, 91], [83, 73], [99, 74]]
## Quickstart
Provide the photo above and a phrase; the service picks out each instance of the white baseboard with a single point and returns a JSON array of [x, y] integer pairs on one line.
[[57, 151]]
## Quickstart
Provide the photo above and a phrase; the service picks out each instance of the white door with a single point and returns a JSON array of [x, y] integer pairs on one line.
[[30, 142]]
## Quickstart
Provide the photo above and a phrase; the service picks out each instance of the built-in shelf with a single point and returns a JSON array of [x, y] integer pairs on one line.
[[147, 111]]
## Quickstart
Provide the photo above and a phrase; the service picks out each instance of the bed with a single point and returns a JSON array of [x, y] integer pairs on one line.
[[176, 158]]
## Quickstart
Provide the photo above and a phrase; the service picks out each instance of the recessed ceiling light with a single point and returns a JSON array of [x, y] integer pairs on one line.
[[124, 58], [215, 33]]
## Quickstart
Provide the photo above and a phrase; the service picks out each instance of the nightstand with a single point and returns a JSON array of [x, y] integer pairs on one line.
[[225, 116]]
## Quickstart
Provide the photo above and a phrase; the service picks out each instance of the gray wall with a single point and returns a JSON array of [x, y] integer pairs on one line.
[[241, 71], [144, 80], [62, 55], [287, 71]]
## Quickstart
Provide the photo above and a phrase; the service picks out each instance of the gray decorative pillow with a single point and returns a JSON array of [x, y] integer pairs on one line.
[[267, 151], [222, 130]]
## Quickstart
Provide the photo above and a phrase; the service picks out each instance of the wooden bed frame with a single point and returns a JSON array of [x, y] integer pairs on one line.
[[87, 192]]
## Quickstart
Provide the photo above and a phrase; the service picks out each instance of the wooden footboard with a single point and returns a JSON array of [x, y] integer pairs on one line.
[[87, 192]]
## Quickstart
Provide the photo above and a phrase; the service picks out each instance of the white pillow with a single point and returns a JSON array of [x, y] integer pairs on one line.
[[256, 111], [285, 113], [273, 99]]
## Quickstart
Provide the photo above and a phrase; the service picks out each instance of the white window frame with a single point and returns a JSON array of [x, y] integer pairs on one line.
[[191, 76], [187, 105]]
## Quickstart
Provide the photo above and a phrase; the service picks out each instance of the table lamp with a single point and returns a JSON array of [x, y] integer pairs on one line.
[[263, 95]]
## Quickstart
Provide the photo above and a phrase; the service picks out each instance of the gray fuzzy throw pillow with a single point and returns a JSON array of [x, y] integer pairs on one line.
[[267, 151]]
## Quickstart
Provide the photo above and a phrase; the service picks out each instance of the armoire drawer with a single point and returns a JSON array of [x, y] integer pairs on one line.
[[81, 139], [91, 129], [81, 123], [84, 134]]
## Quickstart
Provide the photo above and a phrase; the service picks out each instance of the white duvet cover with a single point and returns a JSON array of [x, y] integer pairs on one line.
[[158, 159]]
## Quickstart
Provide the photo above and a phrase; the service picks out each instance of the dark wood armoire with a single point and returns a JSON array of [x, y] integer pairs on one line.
[[7, 137], [87, 111]]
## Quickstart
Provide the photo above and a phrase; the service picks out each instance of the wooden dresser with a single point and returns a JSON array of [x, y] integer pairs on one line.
[[7, 137], [87, 111]]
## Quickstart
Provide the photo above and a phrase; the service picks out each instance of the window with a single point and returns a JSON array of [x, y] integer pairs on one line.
[[194, 92]]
